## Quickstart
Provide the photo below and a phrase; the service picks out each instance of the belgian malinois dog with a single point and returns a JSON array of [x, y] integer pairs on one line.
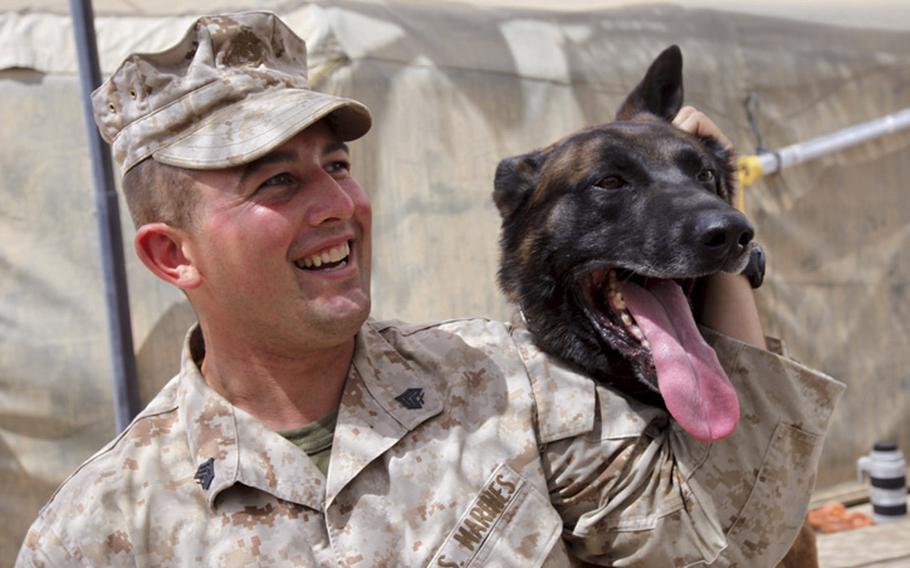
[[603, 235]]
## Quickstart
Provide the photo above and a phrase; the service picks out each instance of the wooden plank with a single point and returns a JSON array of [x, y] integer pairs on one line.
[[884, 545]]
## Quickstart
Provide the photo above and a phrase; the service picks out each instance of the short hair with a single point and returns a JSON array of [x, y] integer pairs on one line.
[[159, 193]]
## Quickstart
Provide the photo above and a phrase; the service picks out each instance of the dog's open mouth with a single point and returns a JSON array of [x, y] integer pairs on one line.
[[649, 322]]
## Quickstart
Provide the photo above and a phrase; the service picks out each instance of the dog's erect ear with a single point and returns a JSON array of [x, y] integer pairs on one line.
[[515, 180], [660, 92]]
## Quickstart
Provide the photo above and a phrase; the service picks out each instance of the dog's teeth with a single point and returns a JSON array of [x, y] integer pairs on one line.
[[626, 319], [646, 344], [636, 331], [618, 302]]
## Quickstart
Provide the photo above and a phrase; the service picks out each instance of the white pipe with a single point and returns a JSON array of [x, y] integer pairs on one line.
[[795, 154]]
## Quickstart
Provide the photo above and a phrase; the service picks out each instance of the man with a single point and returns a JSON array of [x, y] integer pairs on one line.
[[444, 444]]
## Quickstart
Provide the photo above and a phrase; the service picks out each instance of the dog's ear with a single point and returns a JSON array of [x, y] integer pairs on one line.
[[661, 91], [515, 179]]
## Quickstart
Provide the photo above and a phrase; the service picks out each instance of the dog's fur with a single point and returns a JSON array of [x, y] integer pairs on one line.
[[637, 196]]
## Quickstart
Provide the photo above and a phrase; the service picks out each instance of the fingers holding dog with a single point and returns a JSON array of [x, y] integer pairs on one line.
[[693, 121]]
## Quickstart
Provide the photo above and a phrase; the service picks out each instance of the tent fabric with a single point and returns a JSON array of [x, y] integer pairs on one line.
[[453, 89], [45, 42]]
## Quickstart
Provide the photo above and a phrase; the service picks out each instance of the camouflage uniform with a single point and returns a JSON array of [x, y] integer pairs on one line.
[[457, 444]]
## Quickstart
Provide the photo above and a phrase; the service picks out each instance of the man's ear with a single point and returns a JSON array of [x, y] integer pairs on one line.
[[661, 91], [160, 247], [515, 179]]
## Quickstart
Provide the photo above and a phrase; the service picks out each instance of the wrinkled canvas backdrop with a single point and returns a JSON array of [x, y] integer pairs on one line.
[[453, 90]]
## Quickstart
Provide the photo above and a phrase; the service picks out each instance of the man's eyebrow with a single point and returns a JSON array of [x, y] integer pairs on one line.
[[335, 146], [270, 158], [279, 156]]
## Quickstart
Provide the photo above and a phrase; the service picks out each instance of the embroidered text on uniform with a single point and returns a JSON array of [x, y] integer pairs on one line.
[[490, 505]]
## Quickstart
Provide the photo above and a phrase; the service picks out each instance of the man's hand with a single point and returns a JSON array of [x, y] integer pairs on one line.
[[725, 301], [693, 121]]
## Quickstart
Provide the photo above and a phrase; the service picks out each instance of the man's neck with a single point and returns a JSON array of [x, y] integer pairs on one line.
[[284, 392]]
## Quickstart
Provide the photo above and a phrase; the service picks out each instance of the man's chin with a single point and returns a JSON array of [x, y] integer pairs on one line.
[[343, 313]]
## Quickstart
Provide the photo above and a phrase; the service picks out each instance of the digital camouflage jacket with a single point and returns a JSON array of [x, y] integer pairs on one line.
[[457, 444]]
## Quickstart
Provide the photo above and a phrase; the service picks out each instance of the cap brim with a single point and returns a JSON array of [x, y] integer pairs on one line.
[[250, 128]]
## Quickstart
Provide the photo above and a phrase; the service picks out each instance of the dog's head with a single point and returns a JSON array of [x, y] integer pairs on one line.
[[603, 231]]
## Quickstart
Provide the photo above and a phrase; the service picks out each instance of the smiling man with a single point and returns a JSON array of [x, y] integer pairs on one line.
[[276, 262], [301, 433]]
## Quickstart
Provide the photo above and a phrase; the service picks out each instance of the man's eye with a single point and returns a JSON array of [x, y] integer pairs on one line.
[[278, 180], [339, 166]]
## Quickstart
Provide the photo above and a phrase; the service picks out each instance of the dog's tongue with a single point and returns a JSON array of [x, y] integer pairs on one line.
[[694, 387]]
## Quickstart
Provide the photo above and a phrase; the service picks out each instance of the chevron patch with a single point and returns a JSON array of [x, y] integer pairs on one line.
[[411, 398], [205, 473]]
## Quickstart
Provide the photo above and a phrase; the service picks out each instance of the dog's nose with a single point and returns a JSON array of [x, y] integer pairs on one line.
[[725, 234]]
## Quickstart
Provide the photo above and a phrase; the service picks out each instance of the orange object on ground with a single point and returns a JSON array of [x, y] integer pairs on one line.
[[834, 517]]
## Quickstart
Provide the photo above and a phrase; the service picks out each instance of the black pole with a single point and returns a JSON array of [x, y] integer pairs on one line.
[[126, 392]]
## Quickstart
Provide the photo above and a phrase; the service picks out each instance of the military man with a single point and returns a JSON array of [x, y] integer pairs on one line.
[[299, 432]]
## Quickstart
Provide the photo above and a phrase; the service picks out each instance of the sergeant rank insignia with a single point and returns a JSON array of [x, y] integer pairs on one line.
[[205, 473], [411, 398]]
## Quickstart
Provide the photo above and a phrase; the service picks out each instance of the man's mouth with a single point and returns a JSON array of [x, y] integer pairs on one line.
[[328, 259], [650, 323]]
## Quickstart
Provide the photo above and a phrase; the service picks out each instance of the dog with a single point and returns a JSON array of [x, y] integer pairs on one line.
[[605, 234]]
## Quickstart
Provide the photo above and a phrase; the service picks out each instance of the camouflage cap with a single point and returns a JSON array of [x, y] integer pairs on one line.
[[231, 90]]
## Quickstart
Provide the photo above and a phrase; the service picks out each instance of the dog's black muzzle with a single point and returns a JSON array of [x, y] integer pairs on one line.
[[688, 232], [723, 236]]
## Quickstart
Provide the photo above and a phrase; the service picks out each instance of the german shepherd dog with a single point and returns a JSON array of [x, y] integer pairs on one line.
[[603, 235]]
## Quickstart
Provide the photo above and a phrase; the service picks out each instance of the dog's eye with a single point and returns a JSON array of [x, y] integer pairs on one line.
[[611, 182], [705, 176]]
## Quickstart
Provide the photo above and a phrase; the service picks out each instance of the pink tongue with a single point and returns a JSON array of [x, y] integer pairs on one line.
[[695, 388]]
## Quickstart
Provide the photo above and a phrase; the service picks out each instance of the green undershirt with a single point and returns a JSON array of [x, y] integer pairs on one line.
[[315, 439]]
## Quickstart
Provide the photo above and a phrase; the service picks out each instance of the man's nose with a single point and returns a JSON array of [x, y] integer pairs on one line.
[[331, 201]]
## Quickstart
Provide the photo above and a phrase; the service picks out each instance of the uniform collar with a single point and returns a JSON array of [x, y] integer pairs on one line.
[[230, 446], [384, 398], [404, 392]]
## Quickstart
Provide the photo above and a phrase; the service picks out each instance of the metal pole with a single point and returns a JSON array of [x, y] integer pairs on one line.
[[766, 163], [126, 392]]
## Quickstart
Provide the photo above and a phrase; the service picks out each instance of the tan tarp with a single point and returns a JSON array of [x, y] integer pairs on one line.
[[454, 89]]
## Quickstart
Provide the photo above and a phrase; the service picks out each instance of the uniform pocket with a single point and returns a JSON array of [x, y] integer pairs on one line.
[[779, 499], [508, 524]]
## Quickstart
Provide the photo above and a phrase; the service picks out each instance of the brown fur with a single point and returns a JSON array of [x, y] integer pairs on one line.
[[563, 225]]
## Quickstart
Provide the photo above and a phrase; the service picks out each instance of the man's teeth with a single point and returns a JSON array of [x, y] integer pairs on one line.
[[332, 255], [614, 297]]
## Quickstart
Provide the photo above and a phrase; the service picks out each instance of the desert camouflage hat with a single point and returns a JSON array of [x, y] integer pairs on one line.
[[234, 88]]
